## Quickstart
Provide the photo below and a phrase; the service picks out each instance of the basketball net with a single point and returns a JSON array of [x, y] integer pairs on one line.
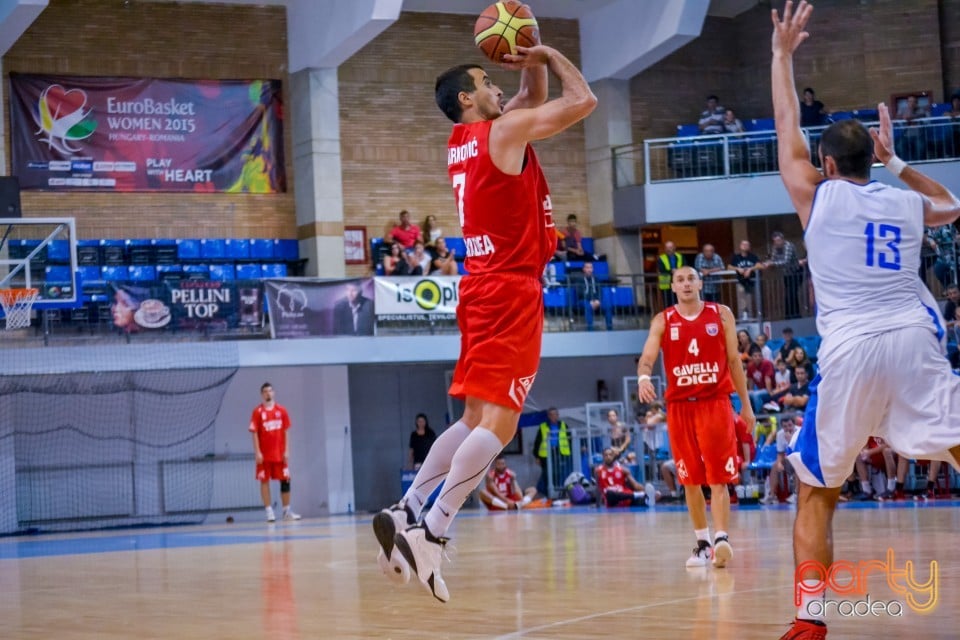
[[17, 304]]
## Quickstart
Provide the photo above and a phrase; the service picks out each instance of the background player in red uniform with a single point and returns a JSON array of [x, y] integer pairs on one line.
[[269, 424], [506, 216], [699, 341], [616, 485], [501, 490]]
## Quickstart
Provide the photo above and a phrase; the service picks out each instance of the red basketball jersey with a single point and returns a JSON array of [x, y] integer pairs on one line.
[[611, 477], [271, 426], [695, 354], [503, 481], [507, 221]]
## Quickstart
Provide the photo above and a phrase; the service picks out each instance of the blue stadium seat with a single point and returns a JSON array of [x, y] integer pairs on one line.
[[222, 272], [213, 249], [587, 244], [457, 245], [143, 273], [735, 401], [288, 250], [169, 271], [810, 344], [112, 253], [237, 248], [559, 270], [601, 270], [57, 273], [275, 270], [837, 116], [760, 124], [939, 109], [688, 130], [58, 252], [376, 246], [113, 273], [462, 269], [89, 273], [88, 253], [164, 250], [139, 251], [261, 249], [248, 272], [556, 297], [188, 249], [196, 270], [866, 115], [775, 344], [618, 296], [766, 456], [574, 265]]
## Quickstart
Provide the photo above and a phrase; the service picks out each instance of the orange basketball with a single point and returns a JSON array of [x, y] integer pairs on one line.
[[503, 26]]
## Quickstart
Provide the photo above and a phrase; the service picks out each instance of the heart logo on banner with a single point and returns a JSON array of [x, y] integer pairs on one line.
[[61, 103], [62, 116]]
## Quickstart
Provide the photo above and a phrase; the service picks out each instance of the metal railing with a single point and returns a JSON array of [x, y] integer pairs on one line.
[[755, 152]]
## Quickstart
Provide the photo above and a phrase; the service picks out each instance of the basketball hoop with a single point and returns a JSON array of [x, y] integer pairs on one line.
[[16, 305]]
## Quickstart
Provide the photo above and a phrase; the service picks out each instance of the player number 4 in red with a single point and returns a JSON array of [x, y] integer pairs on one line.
[[694, 348]]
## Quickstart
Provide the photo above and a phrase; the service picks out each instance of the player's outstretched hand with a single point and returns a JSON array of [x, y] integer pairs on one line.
[[527, 57], [790, 32], [883, 147], [746, 414]]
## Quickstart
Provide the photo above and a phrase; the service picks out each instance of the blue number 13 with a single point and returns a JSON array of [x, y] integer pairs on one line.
[[885, 259]]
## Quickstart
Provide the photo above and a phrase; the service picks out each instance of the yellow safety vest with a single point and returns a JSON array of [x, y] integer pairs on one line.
[[545, 440], [666, 278]]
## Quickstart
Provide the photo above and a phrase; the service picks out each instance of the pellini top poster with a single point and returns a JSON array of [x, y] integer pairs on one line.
[[140, 134]]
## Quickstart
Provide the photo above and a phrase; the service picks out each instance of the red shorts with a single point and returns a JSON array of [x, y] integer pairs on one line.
[[501, 328], [703, 441], [270, 470]]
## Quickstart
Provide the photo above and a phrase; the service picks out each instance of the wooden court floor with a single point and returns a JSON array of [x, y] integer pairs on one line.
[[561, 573]]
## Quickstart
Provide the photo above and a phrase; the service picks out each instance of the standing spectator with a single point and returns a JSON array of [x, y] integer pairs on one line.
[[789, 344], [268, 424], [731, 123], [619, 434], [760, 375], [783, 255], [746, 264], [812, 111], [431, 231], [668, 262], [573, 240], [353, 316], [444, 260], [711, 119], [912, 140], [405, 233], [552, 448], [709, 263], [589, 289], [421, 439]]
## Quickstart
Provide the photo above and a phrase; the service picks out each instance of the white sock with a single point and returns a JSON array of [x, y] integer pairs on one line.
[[806, 612], [497, 502], [435, 468], [865, 486], [719, 534], [703, 534], [891, 484], [469, 464], [526, 500]]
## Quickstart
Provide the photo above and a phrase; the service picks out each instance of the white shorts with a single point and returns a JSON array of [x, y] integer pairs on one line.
[[895, 385]]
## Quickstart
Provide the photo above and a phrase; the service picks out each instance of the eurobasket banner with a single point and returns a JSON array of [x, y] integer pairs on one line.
[[140, 134], [417, 297]]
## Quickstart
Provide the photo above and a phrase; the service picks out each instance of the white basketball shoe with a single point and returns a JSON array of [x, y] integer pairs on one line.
[[386, 525], [423, 552]]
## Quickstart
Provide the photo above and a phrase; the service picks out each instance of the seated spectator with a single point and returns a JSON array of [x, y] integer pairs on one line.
[[812, 111], [903, 465], [878, 455], [560, 253], [418, 260], [394, 263], [765, 431], [912, 141], [431, 231], [744, 342], [746, 265], [421, 439], [444, 260], [501, 491], [573, 241], [589, 292], [731, 123], [782, 379], [797, 396], [950, 310], [798, 360], [711, 120], [761, 341], [760, 374], [709, 263], [405, 233], [789, 344], [746, 448], [617, 486], [782, 475], [619, 434]]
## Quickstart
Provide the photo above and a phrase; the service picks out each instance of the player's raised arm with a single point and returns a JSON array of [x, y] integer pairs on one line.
[[648, 358], [737, 375], [799, 175], [940, 206], [575, 103]]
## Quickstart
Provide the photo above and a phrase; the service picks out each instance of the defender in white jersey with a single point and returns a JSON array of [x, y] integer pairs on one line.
[[882, 367]]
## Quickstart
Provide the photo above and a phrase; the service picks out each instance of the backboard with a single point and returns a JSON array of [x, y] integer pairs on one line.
[[41, 253]]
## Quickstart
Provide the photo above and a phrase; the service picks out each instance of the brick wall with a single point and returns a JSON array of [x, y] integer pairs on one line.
[[393, 136], [102, 37], [950, 45]]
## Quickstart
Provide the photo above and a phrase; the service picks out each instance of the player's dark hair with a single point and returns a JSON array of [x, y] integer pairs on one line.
[[448, 87], [264, 386], [754, 348], [850, 146]]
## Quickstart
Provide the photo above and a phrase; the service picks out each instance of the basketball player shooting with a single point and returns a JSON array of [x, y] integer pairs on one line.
[[506, 216], [700, 356], [882, 370]]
